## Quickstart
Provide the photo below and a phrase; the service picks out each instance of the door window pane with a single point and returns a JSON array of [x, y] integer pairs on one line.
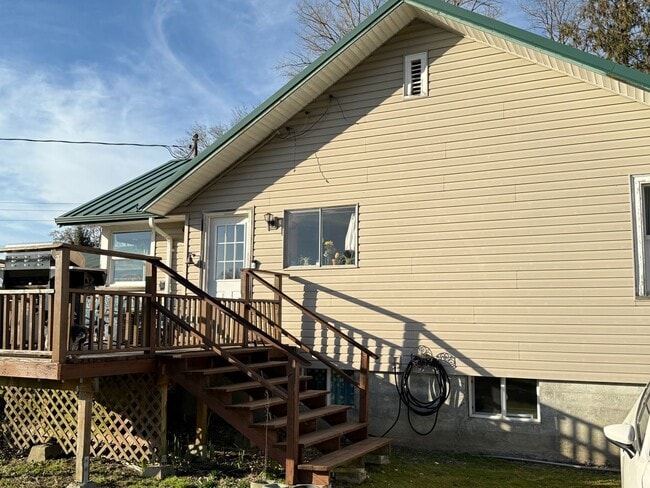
[[230, 251]]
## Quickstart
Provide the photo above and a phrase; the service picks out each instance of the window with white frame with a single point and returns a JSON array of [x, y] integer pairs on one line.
[[129, 270], [504, 398], [321, 237], [416, 79], [641, 220]]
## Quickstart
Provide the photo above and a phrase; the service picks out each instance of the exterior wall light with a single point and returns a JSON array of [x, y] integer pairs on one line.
[[272, 222]]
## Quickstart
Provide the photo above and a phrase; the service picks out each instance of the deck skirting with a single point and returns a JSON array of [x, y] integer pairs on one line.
[[127, 417]]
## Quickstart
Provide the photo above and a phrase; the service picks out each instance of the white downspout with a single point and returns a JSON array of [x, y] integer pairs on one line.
[[168, 238]]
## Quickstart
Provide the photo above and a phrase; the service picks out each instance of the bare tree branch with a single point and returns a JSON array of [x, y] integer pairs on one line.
[[324, 22], [549, 16]]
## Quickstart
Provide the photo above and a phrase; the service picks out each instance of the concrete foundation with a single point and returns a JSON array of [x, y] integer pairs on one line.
[[569, 430]]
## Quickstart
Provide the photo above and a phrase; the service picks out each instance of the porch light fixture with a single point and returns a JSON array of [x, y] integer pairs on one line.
[[192, 259], [272, 222]]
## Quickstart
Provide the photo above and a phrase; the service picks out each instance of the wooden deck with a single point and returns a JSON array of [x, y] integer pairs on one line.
[[57, 336], [61, 333]]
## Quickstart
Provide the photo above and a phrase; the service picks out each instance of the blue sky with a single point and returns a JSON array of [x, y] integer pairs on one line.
[[123, 71]]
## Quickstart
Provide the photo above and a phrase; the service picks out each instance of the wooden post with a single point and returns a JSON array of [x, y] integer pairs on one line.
[[246, 292], [201, 423], [61, 315], [150, 322], [163, 382], [293, 421], [363, 387], [277, 282], [84, 422]]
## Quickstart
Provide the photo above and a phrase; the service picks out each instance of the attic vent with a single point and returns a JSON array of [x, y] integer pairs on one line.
[[415, 75]]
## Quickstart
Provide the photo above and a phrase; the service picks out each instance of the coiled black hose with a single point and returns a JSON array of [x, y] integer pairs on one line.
[[440, 389]]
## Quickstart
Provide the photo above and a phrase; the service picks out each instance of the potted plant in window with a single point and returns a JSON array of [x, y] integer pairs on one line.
[[329, 252]]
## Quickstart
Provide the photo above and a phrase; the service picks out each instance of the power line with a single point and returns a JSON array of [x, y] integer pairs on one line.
[[33, 209], [38, 203], [169, 147]]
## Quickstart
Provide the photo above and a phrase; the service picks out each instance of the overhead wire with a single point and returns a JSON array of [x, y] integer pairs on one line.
[[169, 147]]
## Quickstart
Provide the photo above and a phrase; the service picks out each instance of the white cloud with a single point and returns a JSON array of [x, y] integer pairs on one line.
[[187, 67]]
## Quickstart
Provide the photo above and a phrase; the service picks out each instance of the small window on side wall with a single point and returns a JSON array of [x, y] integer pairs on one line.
[[504, 398], [321, 237], [641, 221], [129, 270], [416, 79]]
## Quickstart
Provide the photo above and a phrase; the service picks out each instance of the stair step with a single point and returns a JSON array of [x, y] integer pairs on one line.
[[233, 369], [334, 459], [304, 416], [247, 385], [273, 401], [318, 436]]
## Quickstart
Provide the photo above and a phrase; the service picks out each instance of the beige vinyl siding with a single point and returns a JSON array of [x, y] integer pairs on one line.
[[494, 213]]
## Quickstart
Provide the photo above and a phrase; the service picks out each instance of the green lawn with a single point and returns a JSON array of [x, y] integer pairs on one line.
[[235, 469], [411, 469]]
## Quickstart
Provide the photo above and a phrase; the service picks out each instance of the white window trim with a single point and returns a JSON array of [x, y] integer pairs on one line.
[[107, 243], [638, 225], [504, 414], [424, 75], [320, 238], [207, 218]]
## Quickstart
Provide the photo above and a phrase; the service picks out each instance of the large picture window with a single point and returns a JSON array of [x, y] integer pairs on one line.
[[321, 237], [129, 270], [504, 398]]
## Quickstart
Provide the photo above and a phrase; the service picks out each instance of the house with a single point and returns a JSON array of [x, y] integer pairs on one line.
[[436, 179]]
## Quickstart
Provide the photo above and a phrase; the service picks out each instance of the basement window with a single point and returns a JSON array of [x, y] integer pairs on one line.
[[323, 237], [641, 221], [504, 398], [416, 79], [341, 391]]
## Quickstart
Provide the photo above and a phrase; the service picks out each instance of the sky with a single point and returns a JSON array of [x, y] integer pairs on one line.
[[138, 71]]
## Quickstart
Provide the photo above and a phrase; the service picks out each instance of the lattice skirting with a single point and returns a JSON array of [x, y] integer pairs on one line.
[[127, 418]]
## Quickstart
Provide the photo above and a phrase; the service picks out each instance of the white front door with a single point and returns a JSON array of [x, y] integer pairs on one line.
[[228, 251]]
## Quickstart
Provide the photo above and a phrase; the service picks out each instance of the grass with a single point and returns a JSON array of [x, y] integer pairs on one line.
[[236, 469], [411, 469]]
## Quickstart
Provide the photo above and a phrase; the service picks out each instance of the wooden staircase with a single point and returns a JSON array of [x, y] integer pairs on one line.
[[326, 437], [262, 391]]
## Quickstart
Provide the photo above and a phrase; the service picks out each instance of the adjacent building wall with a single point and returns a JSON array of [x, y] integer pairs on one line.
[[494, 214]]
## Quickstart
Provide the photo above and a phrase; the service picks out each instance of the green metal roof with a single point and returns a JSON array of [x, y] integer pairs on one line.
[[173, 185], [126, 202]]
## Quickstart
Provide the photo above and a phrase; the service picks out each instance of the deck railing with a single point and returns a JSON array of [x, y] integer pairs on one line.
[[65, 323]]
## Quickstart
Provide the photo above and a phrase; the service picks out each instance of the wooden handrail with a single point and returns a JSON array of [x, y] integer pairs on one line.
[[221, 352], [247, 325], [312, 315], [81, 249]]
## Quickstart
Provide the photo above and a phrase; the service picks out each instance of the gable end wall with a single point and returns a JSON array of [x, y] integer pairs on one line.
[[494, 221]]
